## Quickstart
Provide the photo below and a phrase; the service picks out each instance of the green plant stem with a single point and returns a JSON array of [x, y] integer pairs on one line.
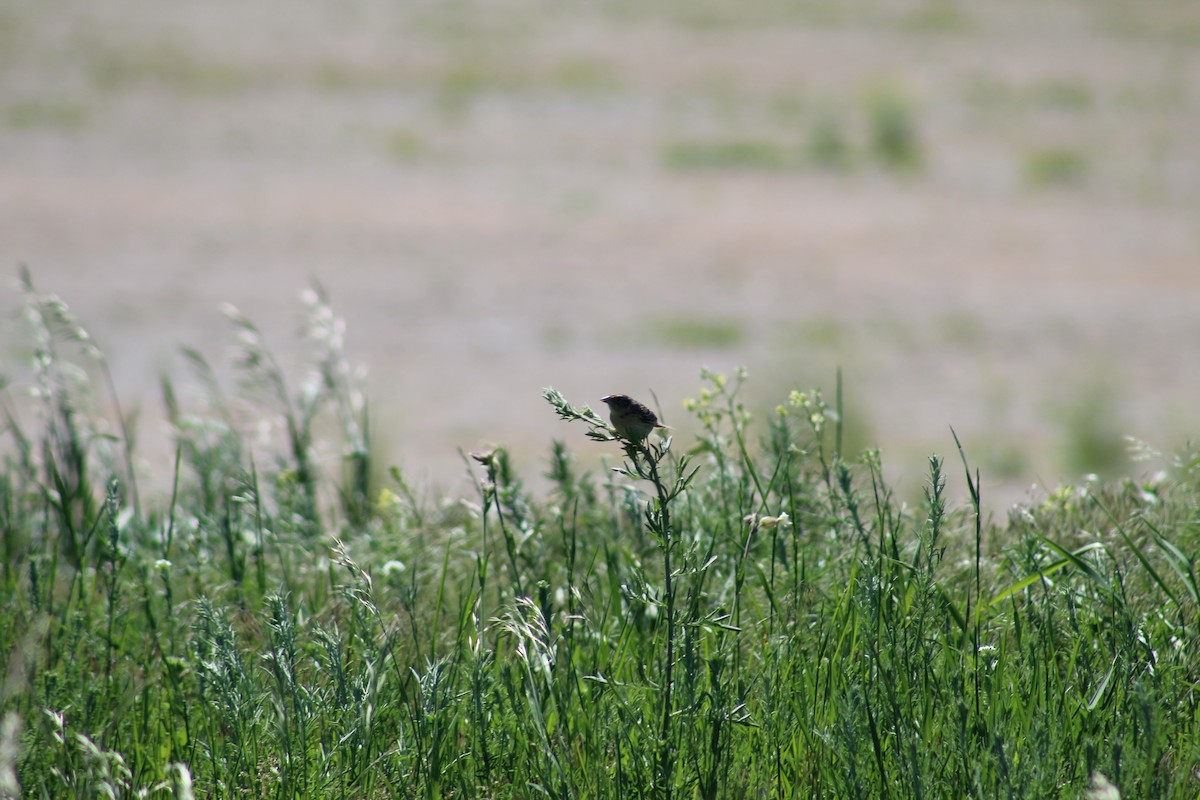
[[666, 756]]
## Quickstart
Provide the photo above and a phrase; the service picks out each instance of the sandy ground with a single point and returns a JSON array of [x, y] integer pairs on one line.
[[504, 196]]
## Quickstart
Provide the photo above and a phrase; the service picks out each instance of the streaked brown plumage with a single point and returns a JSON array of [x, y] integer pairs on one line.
[[632, 420]]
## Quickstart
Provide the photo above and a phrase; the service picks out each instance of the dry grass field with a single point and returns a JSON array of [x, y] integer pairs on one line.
[[987, 214]]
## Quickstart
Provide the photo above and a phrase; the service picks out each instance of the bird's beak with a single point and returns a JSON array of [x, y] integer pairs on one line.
[[606, 398]]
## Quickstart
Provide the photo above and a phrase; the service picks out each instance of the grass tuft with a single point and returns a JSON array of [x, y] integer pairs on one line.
[[1056, 166]]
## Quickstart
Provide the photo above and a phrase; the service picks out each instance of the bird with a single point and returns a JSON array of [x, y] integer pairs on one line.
[[632, 420]]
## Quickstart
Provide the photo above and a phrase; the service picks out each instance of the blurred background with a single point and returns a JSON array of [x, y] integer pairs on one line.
[[986, 214]]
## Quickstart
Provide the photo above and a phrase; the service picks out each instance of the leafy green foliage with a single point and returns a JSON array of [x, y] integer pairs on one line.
[[756, 616]]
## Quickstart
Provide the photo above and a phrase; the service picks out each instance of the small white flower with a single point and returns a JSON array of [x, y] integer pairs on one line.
[[1102, 788], [783, 521]]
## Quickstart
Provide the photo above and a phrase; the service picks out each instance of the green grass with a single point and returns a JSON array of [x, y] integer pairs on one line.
[[584, 76], [1055, 166], [828, 144], [167, 63], [405, 145], [749, 613], [66, 116], [881, 130], [1091, 436], [725, 154], [937, 17], [1064, 95], [695, 332], [895, 141]]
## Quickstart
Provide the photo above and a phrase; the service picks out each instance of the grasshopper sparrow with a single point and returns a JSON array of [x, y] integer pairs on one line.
[[633, 421]]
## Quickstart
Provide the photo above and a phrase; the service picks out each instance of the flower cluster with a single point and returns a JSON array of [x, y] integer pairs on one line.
[[812, 406]]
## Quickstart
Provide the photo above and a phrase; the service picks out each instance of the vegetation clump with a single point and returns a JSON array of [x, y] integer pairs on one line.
[[750, 613]]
